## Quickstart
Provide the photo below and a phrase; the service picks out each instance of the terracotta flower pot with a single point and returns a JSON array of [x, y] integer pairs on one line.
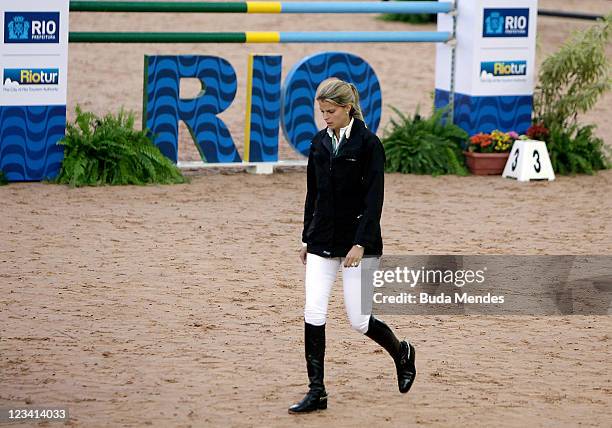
[[486, 163]]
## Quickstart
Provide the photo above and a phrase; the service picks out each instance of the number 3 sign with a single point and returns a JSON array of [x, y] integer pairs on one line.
[[529, 160]]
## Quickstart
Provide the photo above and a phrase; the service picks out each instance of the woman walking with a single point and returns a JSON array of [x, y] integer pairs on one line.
[[344, 198]]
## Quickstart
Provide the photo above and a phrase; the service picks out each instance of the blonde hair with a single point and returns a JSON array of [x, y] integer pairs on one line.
[[341, 93]]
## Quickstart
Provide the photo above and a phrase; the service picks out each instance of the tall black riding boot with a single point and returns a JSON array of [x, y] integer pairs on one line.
[[402, 352], [314, 347]]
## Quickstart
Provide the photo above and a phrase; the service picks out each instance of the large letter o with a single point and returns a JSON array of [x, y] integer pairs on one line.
[[299, 90]]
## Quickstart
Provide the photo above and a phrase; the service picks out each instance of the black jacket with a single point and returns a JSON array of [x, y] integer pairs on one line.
[[345, 194]]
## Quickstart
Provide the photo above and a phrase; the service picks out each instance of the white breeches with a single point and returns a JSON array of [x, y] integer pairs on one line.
[[320, 276]]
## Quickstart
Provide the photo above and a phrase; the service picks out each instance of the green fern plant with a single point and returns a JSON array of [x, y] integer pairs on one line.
[[416, 145], [108, 150], [576, 150]]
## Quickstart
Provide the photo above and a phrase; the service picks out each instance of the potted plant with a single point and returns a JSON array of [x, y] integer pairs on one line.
[[538, 131], [487, 154]]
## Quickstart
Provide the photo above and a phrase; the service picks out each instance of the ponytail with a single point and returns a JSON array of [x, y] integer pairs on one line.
[[356, 110]]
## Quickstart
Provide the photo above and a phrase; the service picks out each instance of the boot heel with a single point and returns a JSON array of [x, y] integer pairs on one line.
[[322, 404]]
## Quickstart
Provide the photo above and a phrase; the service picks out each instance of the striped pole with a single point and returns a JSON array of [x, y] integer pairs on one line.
[[264, 37], [407, 7], [363, 37]]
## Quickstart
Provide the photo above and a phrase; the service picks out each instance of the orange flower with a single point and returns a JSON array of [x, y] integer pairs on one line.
[[479, 142], [481, 139]]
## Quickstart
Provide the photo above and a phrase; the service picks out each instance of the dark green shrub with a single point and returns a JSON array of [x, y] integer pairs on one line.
[[108, 150], [3, 179], [575, 149], [570, 82], [417, 145], [419, 18]]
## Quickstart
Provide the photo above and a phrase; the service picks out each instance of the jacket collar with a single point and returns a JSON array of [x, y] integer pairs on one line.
[[355, 130]]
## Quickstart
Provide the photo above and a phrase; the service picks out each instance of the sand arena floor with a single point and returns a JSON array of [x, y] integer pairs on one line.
[[182, 305]]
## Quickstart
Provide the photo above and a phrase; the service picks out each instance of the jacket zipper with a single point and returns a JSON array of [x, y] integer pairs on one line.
[[331, 163]]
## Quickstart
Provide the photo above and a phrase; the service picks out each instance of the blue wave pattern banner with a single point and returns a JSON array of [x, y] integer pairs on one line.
[[486, 113], [28, 141], [265, 108], [299, 91], [164, 108]]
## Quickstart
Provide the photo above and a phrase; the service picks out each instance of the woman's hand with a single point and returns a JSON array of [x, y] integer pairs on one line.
[[303, 252], [354, 256]]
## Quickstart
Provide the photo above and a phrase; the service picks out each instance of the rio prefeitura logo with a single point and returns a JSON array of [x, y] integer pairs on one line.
[[31, 27], [505, 22]]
